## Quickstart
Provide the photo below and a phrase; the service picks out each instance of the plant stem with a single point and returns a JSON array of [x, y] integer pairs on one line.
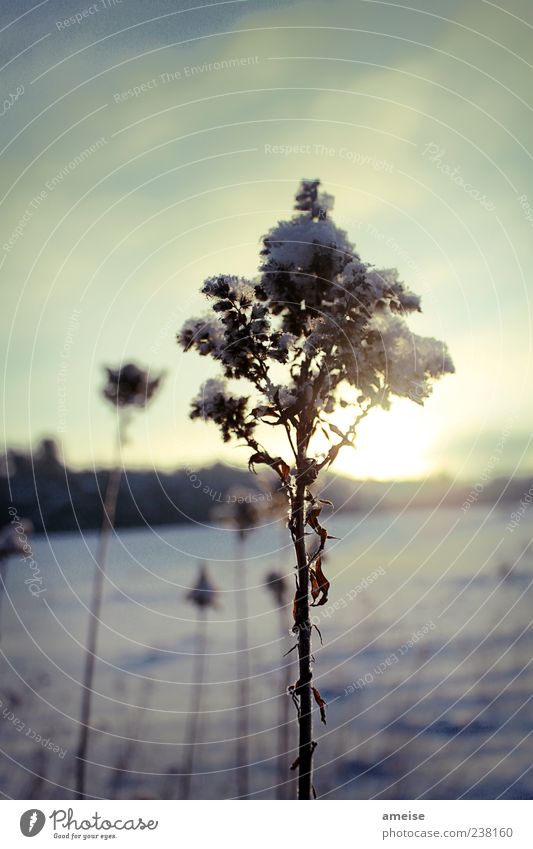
[[243, 672], [196, 701], [303, 690], [4, 566], [284, 717], [110, 504]]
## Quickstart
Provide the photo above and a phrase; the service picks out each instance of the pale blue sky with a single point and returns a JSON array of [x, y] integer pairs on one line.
[[384, 99]]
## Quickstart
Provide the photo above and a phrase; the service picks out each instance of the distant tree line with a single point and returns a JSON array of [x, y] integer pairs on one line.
[[58, 498]]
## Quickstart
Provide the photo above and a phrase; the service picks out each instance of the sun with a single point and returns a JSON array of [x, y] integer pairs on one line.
[[390, 444]]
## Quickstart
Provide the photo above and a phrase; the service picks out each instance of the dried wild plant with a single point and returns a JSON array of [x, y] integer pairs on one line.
[[319, 339]]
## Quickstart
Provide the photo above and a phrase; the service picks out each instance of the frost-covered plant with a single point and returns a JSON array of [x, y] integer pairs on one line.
[[318, 330]]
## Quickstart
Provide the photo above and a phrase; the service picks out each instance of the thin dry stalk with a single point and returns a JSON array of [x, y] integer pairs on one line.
[[286, 677], [243, 670], [195, 709], [4, 568], [304, 684], [110, 504], [278, 585]]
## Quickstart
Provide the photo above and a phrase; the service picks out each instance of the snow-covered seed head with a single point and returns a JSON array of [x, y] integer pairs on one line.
[[278, 585], [130, 386], [203, 594]]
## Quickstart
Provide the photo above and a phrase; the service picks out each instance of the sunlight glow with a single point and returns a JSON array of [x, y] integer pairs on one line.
[[390, 444]]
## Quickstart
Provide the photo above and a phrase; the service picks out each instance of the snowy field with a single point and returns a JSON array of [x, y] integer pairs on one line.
[[426, 662]]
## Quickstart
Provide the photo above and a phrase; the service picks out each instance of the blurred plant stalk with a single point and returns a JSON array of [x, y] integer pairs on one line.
[[108, 521], [127, 388], [243, 666], [13, 539], [203, 596]]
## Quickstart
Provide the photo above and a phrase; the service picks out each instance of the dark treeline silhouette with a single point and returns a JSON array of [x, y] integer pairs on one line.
[[57, 498]]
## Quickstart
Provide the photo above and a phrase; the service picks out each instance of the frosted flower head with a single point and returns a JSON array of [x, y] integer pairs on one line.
[[204, 334], [387, 289], [301, 273], [283, 396], [401, 362], [317, 321], [203, 594], [130, 386], [278, 585], [210, 396], [228, 287], [309, 200], [281, 345], [285, 341], [319, 335], [215, 403]]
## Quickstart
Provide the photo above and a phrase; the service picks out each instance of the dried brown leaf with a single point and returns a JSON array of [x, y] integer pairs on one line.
[[336, 430], [322, 582], [276, 463], [321, 704], [315, 589]]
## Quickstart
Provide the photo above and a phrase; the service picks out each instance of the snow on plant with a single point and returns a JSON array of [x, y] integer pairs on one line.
[[318, 330]]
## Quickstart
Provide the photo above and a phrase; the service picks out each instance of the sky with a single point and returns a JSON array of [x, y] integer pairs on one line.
[[137, 159]]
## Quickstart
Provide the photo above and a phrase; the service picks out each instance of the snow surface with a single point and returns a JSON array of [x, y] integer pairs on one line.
[[451, 717]]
